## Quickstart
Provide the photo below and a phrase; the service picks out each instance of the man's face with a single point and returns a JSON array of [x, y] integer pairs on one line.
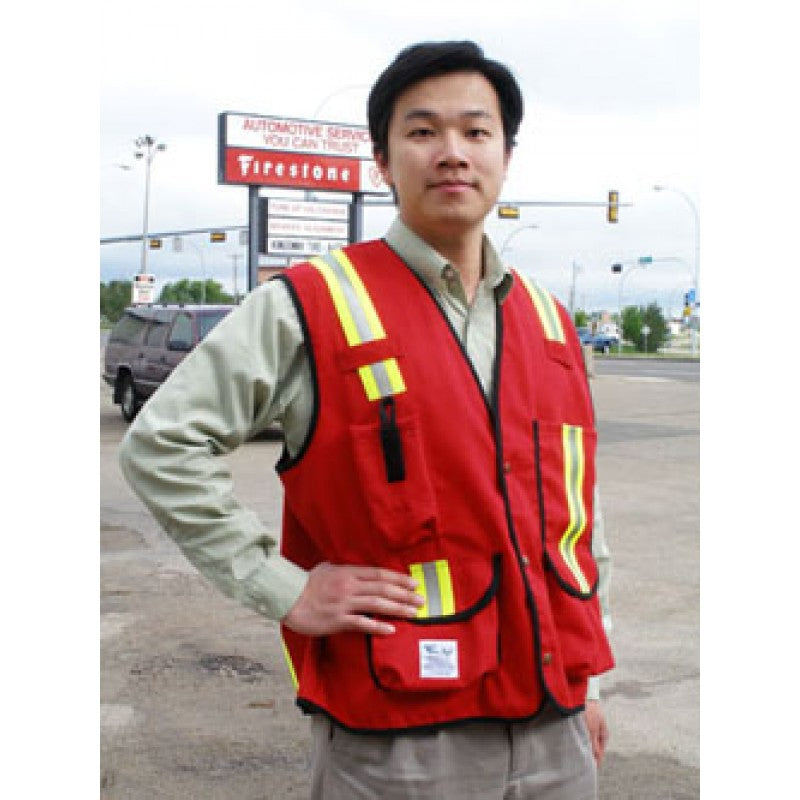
[[446, 157]]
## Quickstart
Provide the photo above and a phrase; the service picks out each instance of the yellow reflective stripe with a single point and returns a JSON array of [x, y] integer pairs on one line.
[[371, 383], [342, 309], [288, 658], [395, 377], [574, 469], [445, 587], [360, 322], [364, 299], [422, 589], [435, 585], [547, 310]]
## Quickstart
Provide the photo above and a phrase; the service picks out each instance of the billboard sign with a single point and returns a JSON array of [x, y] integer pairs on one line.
[[298, 154]]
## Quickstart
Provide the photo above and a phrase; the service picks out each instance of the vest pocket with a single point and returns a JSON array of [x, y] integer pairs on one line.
[[565, 486], [393, 477], [446, 651]]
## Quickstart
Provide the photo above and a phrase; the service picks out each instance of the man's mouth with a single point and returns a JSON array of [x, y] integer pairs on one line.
[[452, 185]]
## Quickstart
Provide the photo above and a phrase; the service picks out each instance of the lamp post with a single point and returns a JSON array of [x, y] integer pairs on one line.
[[693, 207], [146, 148], [641, 264], [513, 234]]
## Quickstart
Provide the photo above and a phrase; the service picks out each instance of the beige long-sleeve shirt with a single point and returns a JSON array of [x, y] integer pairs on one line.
[[251, 372]]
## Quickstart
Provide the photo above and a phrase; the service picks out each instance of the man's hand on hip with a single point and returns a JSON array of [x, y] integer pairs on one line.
[[342, 598]]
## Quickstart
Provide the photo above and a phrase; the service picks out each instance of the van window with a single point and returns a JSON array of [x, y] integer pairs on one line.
[[208, 321], [157, 333], [182, 330], [129, 329]]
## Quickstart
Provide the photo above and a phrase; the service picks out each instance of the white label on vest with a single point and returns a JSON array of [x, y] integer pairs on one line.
[[438, 658]]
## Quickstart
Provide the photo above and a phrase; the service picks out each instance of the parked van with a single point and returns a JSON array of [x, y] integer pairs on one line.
[[147, 343]]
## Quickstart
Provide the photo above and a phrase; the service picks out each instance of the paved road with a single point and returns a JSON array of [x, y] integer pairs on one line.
[[195, 697], [649, 368]]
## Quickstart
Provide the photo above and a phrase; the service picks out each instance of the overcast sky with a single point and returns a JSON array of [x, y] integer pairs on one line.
[[612, 102]]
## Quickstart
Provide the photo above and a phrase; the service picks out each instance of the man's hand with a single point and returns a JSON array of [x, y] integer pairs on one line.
[[598, 729], [341, 598]]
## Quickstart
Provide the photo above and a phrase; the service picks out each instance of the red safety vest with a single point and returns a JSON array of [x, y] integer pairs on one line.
[[487, 502]]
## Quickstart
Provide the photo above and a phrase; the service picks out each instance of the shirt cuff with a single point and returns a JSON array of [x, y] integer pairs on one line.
[[275, 588], [593, 689]]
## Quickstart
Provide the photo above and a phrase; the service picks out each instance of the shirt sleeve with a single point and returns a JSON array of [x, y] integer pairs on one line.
[[602, 556], [233, 385]]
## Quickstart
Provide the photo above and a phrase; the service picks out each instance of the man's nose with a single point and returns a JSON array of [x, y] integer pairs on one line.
[[452, 152]]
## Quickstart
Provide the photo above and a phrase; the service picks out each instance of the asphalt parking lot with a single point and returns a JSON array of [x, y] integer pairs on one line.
[[195, 699]]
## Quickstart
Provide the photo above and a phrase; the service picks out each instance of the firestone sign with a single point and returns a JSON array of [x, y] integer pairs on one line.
[[298, 154]]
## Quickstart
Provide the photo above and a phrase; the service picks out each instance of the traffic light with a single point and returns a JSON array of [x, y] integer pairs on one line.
[[217, 236], [155, 244], [508, 212], [616, 267], [613, 206]]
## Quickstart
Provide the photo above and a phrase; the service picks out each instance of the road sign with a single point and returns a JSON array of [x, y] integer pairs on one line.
[[144, 288], [645, 259], [155, 244], [302, 247], [310, 209], [218, 236], [508, 212], [690, 296], [311, 228]]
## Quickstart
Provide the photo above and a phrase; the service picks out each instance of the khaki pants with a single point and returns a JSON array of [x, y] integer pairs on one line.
[[548, 758]]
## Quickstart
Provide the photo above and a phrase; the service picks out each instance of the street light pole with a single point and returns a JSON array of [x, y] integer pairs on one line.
[[639, 265], [693, 207], [513, 234], [147, 147]]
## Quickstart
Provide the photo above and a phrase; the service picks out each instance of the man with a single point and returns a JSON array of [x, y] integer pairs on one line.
[[435, 581]]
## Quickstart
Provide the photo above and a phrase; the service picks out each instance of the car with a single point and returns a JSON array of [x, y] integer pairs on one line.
[[147, 343], [603, 342], [585, 335]]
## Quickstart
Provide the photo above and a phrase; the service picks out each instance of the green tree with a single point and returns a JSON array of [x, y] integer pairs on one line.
[[653, 317], [634, 319], [114, 297], [581, 319], [187, 291]]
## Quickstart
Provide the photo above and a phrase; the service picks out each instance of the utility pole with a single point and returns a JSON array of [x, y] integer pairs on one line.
[[235, 257]]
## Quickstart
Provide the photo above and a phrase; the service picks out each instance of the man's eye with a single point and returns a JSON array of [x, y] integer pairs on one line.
[[478, 133], [420, 133]]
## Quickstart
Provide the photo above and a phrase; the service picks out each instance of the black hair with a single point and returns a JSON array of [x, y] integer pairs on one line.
[[431, 59]]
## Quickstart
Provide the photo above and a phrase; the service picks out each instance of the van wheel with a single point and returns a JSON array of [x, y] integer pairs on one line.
[[129, 404]]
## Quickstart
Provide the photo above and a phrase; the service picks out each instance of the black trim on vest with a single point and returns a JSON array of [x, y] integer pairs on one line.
[[307, 707], [501, 480], [286, 461]]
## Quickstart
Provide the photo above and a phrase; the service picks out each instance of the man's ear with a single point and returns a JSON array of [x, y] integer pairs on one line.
[[383, 166]]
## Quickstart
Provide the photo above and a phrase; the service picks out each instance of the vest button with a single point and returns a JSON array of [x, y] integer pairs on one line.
[[506, 466], [547, 658], [526, 560]]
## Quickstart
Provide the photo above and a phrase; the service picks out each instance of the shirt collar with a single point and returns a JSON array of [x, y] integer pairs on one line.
[[432, 267]]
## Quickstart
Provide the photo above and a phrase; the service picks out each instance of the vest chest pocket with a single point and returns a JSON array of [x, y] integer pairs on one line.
[[455, 643], [393, 477]]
